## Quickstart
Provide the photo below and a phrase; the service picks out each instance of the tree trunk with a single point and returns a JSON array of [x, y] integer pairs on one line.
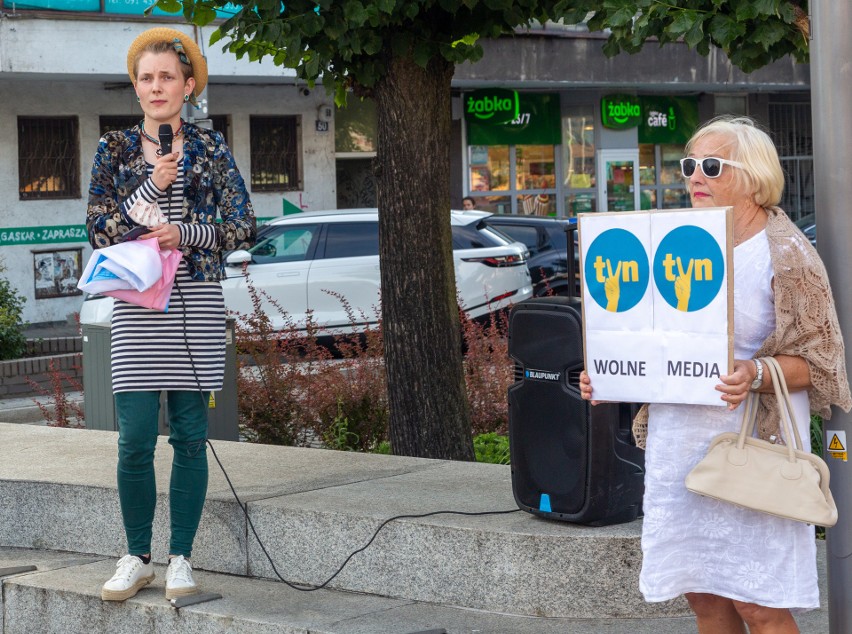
[[429, 412]]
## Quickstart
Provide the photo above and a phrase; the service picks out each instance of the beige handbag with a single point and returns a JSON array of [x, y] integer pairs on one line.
[[780, 480]]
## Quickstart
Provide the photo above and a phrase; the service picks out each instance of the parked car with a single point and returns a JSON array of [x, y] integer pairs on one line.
[[808, 226], [547, 241], [309, 261]]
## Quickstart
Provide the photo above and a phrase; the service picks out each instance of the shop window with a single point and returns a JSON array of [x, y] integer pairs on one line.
[[578, 148], [48, 158], [489, 167], [275, 165], [536, 205], [660, 180], [535, 167]]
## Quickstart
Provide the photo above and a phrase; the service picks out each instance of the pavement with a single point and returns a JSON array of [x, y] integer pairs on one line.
[[512, 574]]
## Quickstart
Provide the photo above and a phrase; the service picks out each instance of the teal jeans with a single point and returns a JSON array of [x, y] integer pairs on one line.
[[138, 413]]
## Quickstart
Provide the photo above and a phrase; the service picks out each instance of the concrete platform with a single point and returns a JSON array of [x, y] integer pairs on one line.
[[312, 508]]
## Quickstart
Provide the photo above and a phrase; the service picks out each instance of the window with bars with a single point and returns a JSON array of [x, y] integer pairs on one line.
[[108, 123], [790, 125], [221, 124], [275, 165], [48, 158]]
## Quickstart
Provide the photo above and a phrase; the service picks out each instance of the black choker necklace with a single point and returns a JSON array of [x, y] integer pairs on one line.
[[156, 141]]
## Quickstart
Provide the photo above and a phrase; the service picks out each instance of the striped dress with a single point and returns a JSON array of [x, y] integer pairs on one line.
[[184, 347]]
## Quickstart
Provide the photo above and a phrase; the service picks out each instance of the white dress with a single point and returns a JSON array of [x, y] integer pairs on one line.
[[694, 544]]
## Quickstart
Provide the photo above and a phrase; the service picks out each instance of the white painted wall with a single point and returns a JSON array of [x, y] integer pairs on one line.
[[58, 47], [78, 68]]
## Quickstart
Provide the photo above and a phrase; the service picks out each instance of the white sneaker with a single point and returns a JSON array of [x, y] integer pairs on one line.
[[179, 581], [131, 576]]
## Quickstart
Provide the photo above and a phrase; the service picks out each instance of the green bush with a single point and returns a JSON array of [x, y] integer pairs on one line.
[[13, 342], [491, 448]]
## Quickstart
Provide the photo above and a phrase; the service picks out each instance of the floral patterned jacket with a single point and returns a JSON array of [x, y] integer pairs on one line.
[[211, 182]]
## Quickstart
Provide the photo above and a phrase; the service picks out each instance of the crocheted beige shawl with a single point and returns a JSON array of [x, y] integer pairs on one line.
[[805, 326]]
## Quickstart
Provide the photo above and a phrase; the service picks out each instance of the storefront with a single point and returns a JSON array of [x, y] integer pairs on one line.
[[560, 154]]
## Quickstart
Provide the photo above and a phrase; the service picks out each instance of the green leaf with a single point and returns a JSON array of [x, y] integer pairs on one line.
[[386, 6], [334, 30], [411, 10], [470, 39], [768, 33], [311, 24], [746, 10], [215, 37], [767, 7], [203, 15], [354, 13], [724, 29], [422, 53], [695, 34], [169, 6], [372, 44], [312, 66], [622, 16], [682, 23]]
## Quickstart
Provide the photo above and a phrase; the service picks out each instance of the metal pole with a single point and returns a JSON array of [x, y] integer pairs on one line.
[[831, 95]]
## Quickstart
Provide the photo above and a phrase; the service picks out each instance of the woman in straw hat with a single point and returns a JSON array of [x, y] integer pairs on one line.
[[177, 195]]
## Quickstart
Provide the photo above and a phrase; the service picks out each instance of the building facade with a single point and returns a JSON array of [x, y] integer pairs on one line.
[[581, 132], [63, 82]]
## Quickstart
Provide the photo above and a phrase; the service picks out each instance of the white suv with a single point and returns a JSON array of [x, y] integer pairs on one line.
[[306, 261]]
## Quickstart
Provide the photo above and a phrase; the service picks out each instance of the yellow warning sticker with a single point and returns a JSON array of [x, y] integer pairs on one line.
[[211, 403], [837, 445]]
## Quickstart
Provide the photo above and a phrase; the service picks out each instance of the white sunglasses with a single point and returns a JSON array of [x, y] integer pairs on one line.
[[711, 166]]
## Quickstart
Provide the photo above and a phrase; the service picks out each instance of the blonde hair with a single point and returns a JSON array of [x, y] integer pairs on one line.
[[161, 46], [752, 147]]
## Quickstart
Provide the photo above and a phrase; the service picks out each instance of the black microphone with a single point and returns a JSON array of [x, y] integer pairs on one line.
[[166, 137]]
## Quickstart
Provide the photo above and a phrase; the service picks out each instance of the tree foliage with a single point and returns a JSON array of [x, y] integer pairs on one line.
[[348, 43], [752, 33]]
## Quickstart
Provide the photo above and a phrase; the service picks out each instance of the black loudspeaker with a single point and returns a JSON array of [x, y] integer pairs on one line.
[[570, 461]]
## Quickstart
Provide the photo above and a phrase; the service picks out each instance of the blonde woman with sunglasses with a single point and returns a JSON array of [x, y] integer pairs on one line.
[[739, 568]]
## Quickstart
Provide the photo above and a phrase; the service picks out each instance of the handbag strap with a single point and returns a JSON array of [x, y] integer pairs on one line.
[[785, 406]]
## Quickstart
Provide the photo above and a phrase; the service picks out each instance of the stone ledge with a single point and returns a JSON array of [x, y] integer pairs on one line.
[[313, 507], [63, 595]]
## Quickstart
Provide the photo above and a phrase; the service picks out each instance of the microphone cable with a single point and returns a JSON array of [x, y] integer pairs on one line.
[[244, 507]]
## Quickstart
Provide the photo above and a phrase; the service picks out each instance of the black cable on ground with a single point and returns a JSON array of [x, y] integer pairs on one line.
[[363, 548]]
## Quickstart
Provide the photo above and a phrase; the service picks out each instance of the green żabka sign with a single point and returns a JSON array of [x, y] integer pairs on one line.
[[42, 235], [499, 116], [659, 119]]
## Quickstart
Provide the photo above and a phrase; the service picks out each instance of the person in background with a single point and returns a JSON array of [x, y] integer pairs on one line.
[[468, 203], [740, 568], [177, 195]]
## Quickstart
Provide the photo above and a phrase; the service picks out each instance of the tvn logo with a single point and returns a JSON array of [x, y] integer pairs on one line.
[[542, 375], [687, 269]]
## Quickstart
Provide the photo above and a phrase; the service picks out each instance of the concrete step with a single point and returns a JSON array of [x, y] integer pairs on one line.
[[313, 507], [63, 597]]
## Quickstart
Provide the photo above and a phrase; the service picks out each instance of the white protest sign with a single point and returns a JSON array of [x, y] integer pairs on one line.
[[657, 304]]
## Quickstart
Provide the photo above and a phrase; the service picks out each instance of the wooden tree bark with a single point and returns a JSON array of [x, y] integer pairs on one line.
[[429, 412]]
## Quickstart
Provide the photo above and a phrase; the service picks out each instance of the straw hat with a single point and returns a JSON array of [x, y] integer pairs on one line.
[[163, 34]]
